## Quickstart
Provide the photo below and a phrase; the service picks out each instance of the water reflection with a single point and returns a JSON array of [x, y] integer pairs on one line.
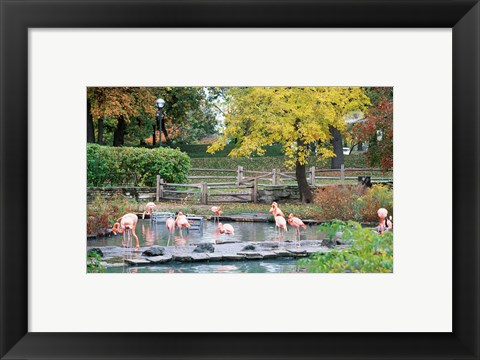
[[151, 233]]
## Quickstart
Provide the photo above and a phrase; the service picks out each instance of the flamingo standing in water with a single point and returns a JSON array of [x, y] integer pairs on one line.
[[170, 224], [281, 223], [296, 223], [217, 211], [126, 225], [275, 210], [182, 222], [149, 209], [225, 229]]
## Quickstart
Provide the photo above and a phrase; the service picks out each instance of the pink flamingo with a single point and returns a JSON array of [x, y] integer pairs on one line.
[[149, 209], [127, 224], [296, 223], [217, 211], [281, 223], [275, 210], [182, 222], [225, 229], [384, 224], [170, 224]]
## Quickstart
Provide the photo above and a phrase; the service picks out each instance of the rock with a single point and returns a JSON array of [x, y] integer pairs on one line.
[[204, 248], [250, 255], [282, 253], [298, 252], [268, 254], [182, 257], [215, 257], [94, 251], [160, 259], [154, 251], [233, 257], [137, 261], [200, 257], [249, 247]]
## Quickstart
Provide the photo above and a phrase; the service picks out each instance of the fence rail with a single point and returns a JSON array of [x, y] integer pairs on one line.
[[245, 188]]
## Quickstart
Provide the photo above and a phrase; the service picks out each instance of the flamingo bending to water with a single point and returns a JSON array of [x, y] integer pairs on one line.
[[225, 229], [124, 225], [149, 209]]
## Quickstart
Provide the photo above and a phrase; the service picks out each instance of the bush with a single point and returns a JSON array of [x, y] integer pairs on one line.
[[339, 202], [116, 166], [379, 196], [369, 252]]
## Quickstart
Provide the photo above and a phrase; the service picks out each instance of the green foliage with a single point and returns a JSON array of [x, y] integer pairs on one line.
[[94, 264], [379, 196], [136, 166], [368, 252]]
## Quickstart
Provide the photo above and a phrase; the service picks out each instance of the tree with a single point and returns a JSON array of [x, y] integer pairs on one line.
[[294, 117], [121, 103], [377, 130]]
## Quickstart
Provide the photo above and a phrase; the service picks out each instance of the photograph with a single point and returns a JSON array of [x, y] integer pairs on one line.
[[239, 179]]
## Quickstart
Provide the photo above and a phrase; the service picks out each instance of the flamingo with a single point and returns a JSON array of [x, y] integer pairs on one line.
[[297, 223], [170, 224], [275, 210], [225, 229], [384, 224], [217, 211], [126, 225], [281, 223], [182, 222], [149, 209]]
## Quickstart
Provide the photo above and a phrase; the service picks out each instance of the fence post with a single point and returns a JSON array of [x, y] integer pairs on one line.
[[157, 192], [254, 190], [204, 193], [312, 176], [239, 175], [342, 174], [274, 177]]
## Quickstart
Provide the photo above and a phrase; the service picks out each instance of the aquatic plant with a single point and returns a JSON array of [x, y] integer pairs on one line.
[[368, 252], [94, 264]]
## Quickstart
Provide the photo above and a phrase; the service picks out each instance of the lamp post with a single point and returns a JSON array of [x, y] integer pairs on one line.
[[160, 103]]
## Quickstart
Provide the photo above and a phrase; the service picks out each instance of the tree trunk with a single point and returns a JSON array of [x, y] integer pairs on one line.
[[154, 139], [164, 130], [360, 146], [100, 131], [337, 161], [118, 135], [90, 127], [306, 195]]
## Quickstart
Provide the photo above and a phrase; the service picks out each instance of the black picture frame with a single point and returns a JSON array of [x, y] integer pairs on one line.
[[18, 16]]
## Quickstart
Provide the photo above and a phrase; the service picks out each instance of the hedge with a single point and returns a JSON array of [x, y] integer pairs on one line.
[[116, 166]]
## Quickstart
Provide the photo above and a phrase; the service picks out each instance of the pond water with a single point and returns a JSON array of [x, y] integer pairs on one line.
[[232, 267], [152, 233]]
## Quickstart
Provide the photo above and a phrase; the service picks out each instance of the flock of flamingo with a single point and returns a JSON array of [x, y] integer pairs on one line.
[[127, 223]]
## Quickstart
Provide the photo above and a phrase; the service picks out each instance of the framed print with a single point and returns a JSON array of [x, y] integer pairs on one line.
[[55, 55]]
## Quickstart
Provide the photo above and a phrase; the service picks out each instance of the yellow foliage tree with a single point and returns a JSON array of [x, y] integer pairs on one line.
[[292, 116]]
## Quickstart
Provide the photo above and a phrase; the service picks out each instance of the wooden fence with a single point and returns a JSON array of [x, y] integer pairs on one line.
[[244, 184], [278, 177]]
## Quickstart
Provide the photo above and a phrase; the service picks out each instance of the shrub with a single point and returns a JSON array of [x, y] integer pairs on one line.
[[135, 166], [102, 214], [369, 252], [379, 196], [339, 202]]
